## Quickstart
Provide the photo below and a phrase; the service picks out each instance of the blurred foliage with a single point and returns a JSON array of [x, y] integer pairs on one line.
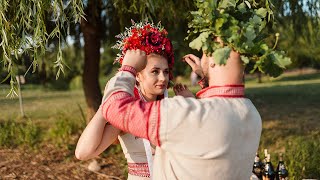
[[26, 33]]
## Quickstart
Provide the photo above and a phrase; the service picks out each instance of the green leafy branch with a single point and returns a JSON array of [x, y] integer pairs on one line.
[[243, 26]]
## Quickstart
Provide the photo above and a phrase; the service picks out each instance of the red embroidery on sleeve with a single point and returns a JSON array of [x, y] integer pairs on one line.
[[130, 69], [133, 115]]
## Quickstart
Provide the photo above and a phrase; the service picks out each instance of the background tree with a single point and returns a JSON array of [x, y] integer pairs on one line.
[[31, 31], [32, 34], [299, 27]]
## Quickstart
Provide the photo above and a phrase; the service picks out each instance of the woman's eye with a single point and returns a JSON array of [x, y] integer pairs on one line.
[[166, 72], [155, 72]]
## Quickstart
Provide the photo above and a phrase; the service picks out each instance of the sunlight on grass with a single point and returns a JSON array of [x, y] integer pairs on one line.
[[289, 107]]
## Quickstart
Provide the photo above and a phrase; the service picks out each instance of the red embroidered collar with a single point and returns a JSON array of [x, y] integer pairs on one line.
[[228, 91]]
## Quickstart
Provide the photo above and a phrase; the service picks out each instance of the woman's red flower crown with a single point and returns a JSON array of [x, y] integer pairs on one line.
[[147, 37]]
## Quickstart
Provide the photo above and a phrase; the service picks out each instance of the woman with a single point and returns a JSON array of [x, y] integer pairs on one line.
[[151, 84]]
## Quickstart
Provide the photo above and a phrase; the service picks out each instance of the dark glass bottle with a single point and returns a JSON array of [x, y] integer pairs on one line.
[[257, 168], [282, 172], [269, 173]]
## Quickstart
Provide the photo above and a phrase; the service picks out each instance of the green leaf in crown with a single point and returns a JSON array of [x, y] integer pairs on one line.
[[242, 25]]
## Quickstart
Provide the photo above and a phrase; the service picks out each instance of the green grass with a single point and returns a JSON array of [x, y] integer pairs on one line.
[[41, 105], [289, 107]]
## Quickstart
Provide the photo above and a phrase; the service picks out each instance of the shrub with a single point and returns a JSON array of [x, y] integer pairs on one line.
[[19, 133], [303, 157], [62, 131]]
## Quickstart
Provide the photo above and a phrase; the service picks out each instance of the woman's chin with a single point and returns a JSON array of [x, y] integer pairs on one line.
[[160, 92]]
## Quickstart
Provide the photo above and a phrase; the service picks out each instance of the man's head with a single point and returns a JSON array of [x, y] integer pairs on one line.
[[230, 73]]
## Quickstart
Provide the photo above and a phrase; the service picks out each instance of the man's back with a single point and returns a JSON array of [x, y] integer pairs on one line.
[[211, 138]]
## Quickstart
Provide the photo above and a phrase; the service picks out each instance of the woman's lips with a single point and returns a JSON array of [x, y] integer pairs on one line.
[[161, 86]]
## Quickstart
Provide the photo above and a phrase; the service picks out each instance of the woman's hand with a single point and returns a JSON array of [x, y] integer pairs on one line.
[[194, 63], [136, 59], [182, 90]]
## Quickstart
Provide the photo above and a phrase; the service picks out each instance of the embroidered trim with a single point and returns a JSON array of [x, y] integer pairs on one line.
[[154, 120], [158, 125], [153, 127], [139, 169], [229, 91], [129, 69], [115, 96]]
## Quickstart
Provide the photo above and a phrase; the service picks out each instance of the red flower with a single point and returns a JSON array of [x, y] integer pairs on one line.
[[154, 39], [167, 46], [148, 38]]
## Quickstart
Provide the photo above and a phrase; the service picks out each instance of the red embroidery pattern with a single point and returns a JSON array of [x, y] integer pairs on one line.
[[138, 169], [131, 114], [230, 91], [129, 69]]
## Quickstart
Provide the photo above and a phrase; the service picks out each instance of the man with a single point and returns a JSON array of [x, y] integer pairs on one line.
[[213, 137]]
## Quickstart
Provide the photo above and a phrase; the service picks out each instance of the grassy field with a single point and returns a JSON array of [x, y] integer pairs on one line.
[[289, 107]]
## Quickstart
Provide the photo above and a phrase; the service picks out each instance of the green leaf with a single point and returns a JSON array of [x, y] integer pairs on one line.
[[280, 60], [242, 7], [221, 55], [198, 42], [256, 19], [250, 34], [245, 59], [273, 66], [219, 23], [262, 12], [227, 3]]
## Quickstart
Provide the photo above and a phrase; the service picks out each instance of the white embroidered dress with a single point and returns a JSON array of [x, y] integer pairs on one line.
[[135, 153]]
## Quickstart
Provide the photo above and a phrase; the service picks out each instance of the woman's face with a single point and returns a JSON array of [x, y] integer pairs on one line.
[[154, 78]]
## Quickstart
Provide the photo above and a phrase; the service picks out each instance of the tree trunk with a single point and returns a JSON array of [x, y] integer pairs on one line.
[[259, 77], [91, 29]]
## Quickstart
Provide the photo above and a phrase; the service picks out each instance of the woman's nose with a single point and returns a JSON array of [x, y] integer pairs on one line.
[[162, 77]]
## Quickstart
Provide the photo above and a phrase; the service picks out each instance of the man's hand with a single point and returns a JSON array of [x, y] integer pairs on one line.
[[194, 63], [182, 90], [136, 59]]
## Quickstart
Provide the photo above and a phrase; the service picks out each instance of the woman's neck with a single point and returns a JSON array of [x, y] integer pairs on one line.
[[147, 97]]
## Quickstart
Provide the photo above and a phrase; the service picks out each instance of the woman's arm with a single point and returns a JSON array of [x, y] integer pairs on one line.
[[96, 137]]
